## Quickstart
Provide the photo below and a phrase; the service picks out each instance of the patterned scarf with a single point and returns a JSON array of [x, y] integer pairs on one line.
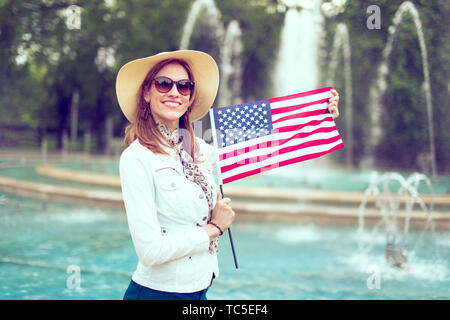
[[191, 171]]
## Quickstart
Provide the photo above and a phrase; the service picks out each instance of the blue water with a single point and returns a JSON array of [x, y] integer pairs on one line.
[[40, 241], [304, 175]]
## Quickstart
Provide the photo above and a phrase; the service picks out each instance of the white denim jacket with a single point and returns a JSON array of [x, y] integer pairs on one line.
[[165, 212]]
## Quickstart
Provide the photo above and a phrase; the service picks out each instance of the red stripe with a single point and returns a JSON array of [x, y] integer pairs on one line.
[[268, 144], [298, 106], [299, 95], [300, 126], [260, 158], [281, 164], [302, 115]]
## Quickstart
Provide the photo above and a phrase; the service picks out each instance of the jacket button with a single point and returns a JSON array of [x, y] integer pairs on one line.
[[201, 196], [173, 184]]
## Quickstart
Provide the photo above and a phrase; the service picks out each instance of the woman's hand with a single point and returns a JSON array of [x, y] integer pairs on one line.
[[222, 215], [333, 104]]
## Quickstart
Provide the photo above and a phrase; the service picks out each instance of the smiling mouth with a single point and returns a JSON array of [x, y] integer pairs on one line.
[[172, 104]]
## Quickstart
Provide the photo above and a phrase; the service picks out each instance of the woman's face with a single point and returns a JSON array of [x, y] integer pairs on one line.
[[170, 106]]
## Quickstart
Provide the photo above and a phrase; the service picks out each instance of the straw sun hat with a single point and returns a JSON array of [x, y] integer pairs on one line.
[[204, 69]]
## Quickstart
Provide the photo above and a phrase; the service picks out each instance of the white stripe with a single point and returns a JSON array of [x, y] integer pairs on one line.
[[314, 107], [300, 121], [274, 162], [301, 100], [274, 136], [268, 150]]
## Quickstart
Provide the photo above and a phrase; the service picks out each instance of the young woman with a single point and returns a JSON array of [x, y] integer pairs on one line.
[[175, 214]]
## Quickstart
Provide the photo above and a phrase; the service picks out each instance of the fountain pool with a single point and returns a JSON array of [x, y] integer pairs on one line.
[[40, 245]]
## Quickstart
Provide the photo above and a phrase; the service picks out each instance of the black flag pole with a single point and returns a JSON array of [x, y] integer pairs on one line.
[[213, 128], [231, 238]]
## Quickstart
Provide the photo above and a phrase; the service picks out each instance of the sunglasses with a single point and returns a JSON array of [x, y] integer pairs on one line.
[[164, 85]]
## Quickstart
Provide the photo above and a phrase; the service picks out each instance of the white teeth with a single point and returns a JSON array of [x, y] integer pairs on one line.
[[172, 104]]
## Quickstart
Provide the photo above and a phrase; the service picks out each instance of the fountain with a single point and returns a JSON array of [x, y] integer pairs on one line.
[[377, 91], [341, 40], [230, 44], [45, 237], [297, 68], [231, 66], [388, 203], [214, 17]]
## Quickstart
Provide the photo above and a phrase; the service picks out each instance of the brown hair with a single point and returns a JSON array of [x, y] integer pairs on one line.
[[144, 128]]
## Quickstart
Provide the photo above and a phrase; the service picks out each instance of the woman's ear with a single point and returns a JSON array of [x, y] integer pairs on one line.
[[147, 94]]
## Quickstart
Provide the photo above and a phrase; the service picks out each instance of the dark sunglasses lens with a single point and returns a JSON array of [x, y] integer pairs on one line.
[[163, 84], [184, 87]]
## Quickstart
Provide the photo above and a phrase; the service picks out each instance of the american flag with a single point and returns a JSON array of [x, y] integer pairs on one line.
[[258, 136]]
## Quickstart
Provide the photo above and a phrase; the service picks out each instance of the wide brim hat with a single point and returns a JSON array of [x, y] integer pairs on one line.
[[204, 70]]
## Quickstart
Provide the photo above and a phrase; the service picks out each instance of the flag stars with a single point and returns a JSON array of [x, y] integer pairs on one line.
[[243, 122]]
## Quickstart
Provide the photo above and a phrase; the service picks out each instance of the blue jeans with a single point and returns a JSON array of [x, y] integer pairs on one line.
[[137, 292]]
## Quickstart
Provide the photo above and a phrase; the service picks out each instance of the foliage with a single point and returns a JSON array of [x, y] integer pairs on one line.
[[36, 93], [404, 118]]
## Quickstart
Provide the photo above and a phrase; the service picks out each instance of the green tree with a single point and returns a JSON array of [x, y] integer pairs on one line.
[[404, 120]]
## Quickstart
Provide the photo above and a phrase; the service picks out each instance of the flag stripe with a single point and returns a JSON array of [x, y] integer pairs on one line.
[[279, 142], [301, 115], [260, 158], [313, 107], [281, 164], [302, 94], [253, 151], [274, 162], [293, 126], [278, 108]]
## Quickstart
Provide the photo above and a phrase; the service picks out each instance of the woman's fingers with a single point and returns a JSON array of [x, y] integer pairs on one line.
[[333, 104]]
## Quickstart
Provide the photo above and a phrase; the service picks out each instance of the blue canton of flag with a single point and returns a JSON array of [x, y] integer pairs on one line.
[[243, 122]]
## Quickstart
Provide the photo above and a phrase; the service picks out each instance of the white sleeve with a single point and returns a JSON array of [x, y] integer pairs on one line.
[[151, 246]]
